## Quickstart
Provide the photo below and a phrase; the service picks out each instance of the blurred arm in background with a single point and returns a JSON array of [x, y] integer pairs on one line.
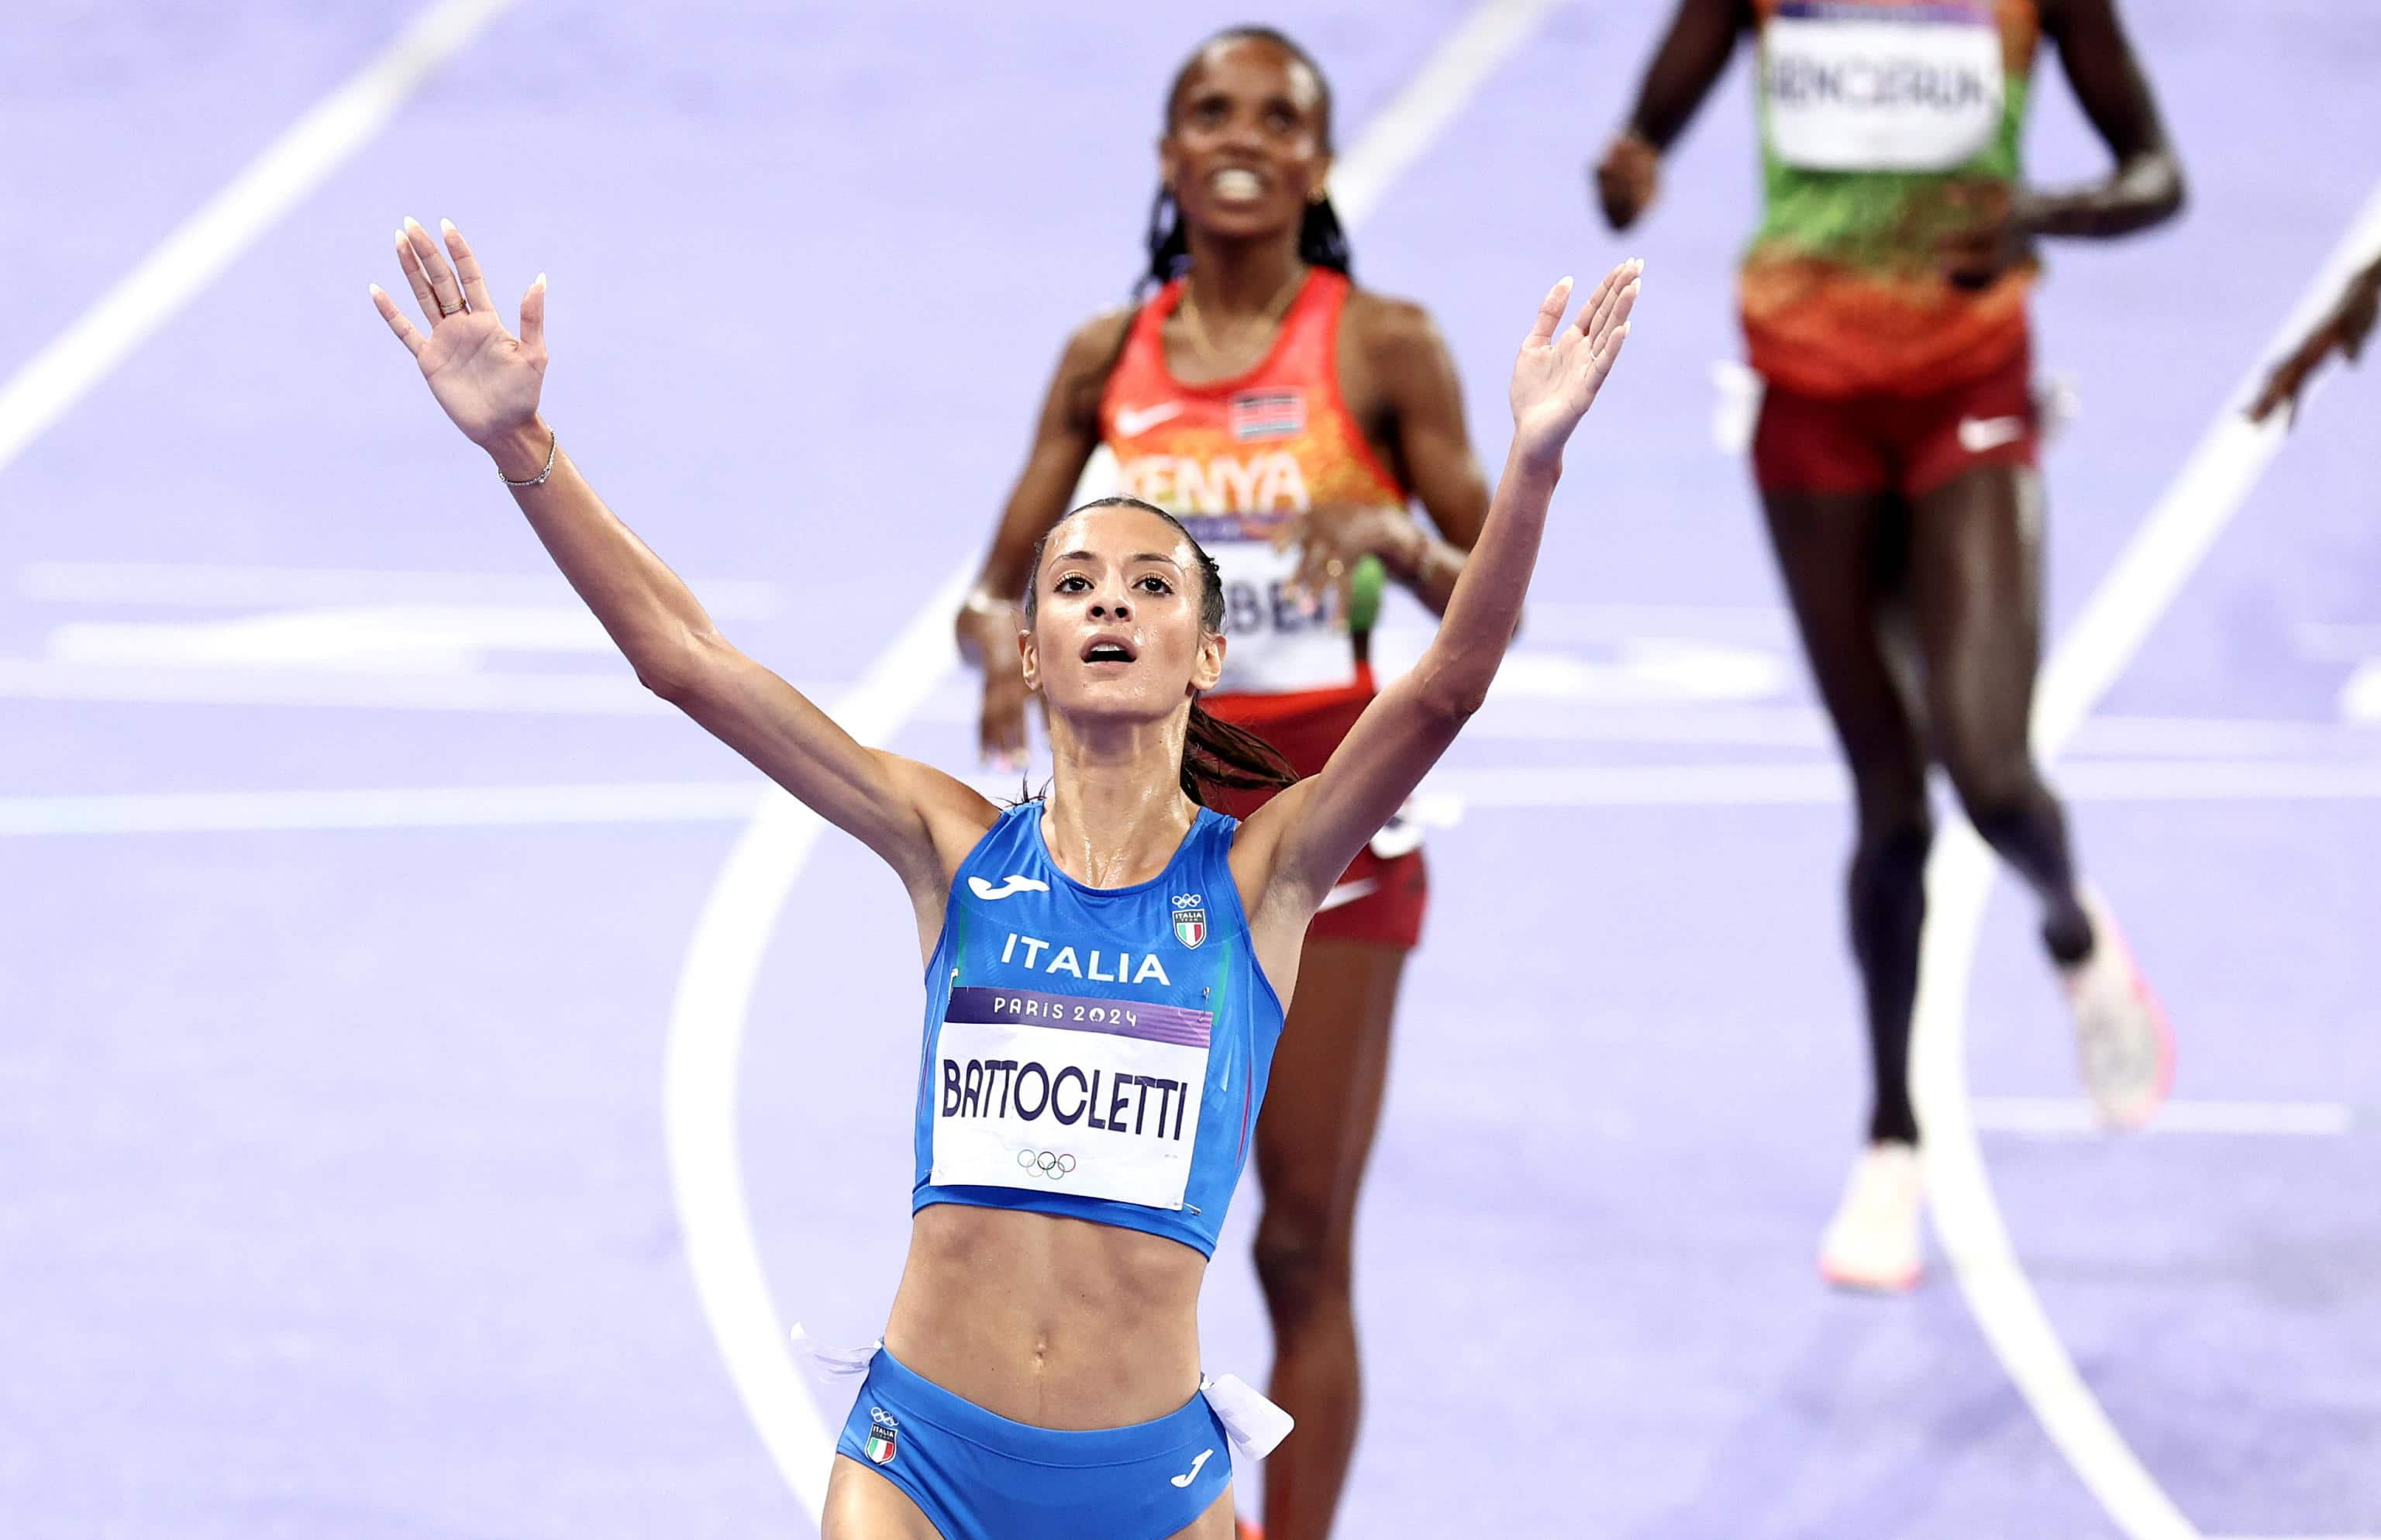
[[2343, 331], [1064, 437], [1694, 55], [2146, 186]]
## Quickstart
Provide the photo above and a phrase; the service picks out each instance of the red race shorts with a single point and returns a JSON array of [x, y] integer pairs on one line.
[[1906, 444], [1381, 897]]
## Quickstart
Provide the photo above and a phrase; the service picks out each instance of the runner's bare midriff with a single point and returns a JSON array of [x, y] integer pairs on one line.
[[1059, 1323]]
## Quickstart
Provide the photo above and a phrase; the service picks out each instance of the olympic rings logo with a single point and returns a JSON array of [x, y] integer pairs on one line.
[[1188, 900], [1047, 1163]]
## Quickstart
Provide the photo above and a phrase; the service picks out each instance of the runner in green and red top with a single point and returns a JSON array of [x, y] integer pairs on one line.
[[1289, 417], [1884, 303]]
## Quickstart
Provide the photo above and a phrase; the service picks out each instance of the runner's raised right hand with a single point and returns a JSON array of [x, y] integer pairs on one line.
[[1562, 367], [487, 379]]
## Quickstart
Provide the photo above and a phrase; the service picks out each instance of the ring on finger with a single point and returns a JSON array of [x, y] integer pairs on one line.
[[458, 307]]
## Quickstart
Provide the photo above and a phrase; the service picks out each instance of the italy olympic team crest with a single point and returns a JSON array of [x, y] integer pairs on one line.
[[1190, 918], [884, 1437]]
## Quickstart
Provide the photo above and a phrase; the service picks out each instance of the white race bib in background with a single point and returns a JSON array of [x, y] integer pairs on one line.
[[1274, 644], [1869, 87]]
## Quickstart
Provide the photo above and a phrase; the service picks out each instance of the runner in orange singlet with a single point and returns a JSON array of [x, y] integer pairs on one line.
[[1289, 418]]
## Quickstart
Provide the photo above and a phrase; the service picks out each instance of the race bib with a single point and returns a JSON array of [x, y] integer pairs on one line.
[[1068, 1093], [1276, 644], [1852, 87]]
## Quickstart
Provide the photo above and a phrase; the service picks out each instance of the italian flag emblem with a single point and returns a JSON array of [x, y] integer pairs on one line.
[[1190, 918], [883, 1438]]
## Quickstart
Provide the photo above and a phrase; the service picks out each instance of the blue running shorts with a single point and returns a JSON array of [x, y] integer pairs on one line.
[[980, 1476]]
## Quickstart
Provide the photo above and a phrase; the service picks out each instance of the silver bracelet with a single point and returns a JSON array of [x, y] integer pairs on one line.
[[553, 448]]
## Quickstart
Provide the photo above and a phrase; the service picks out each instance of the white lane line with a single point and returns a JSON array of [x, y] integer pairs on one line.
[[1560, 620], [2120, 615], [1455, 791], [383, 808], [715, 992], [2198, 503], [198, 250], [2360, 698], [2221, 738], [199, 585], [2329, 641], [1808, 784], [1417, 114], [705, 1045], [1730, 727], [1806, 727], [611, 693], [2220, 780], [2071, 1117], [1803, 783]]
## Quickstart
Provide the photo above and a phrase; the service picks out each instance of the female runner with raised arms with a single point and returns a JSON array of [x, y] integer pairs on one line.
[[1288, 417], [1106, 967]]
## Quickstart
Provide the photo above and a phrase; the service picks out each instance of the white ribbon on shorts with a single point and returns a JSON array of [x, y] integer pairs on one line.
[[1256, 1426], [834, 1362]]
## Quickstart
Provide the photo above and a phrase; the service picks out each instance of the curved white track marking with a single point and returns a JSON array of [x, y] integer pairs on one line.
[[715, 989], [706, 1038], [2071, 1117], [202, 246], [2120, 615]]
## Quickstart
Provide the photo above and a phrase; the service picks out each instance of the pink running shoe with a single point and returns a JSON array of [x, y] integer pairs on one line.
[[2122, 1042]]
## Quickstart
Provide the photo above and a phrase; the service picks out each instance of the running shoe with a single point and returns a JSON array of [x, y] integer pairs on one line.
[[1871, 1243], [2122, 1042]]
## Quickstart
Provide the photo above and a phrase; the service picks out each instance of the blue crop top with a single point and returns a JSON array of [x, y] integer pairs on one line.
[[1094, 1052]]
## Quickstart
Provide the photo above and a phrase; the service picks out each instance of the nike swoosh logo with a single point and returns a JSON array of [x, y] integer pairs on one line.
[[1187, 1478], [1131, 421], [1347, 893], [1980, 433], [1009, 886], [1400, 837]]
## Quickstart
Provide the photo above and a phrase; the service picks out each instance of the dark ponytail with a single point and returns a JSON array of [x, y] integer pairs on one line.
[[1215, 752], [1321, 240], [1219, 755]]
